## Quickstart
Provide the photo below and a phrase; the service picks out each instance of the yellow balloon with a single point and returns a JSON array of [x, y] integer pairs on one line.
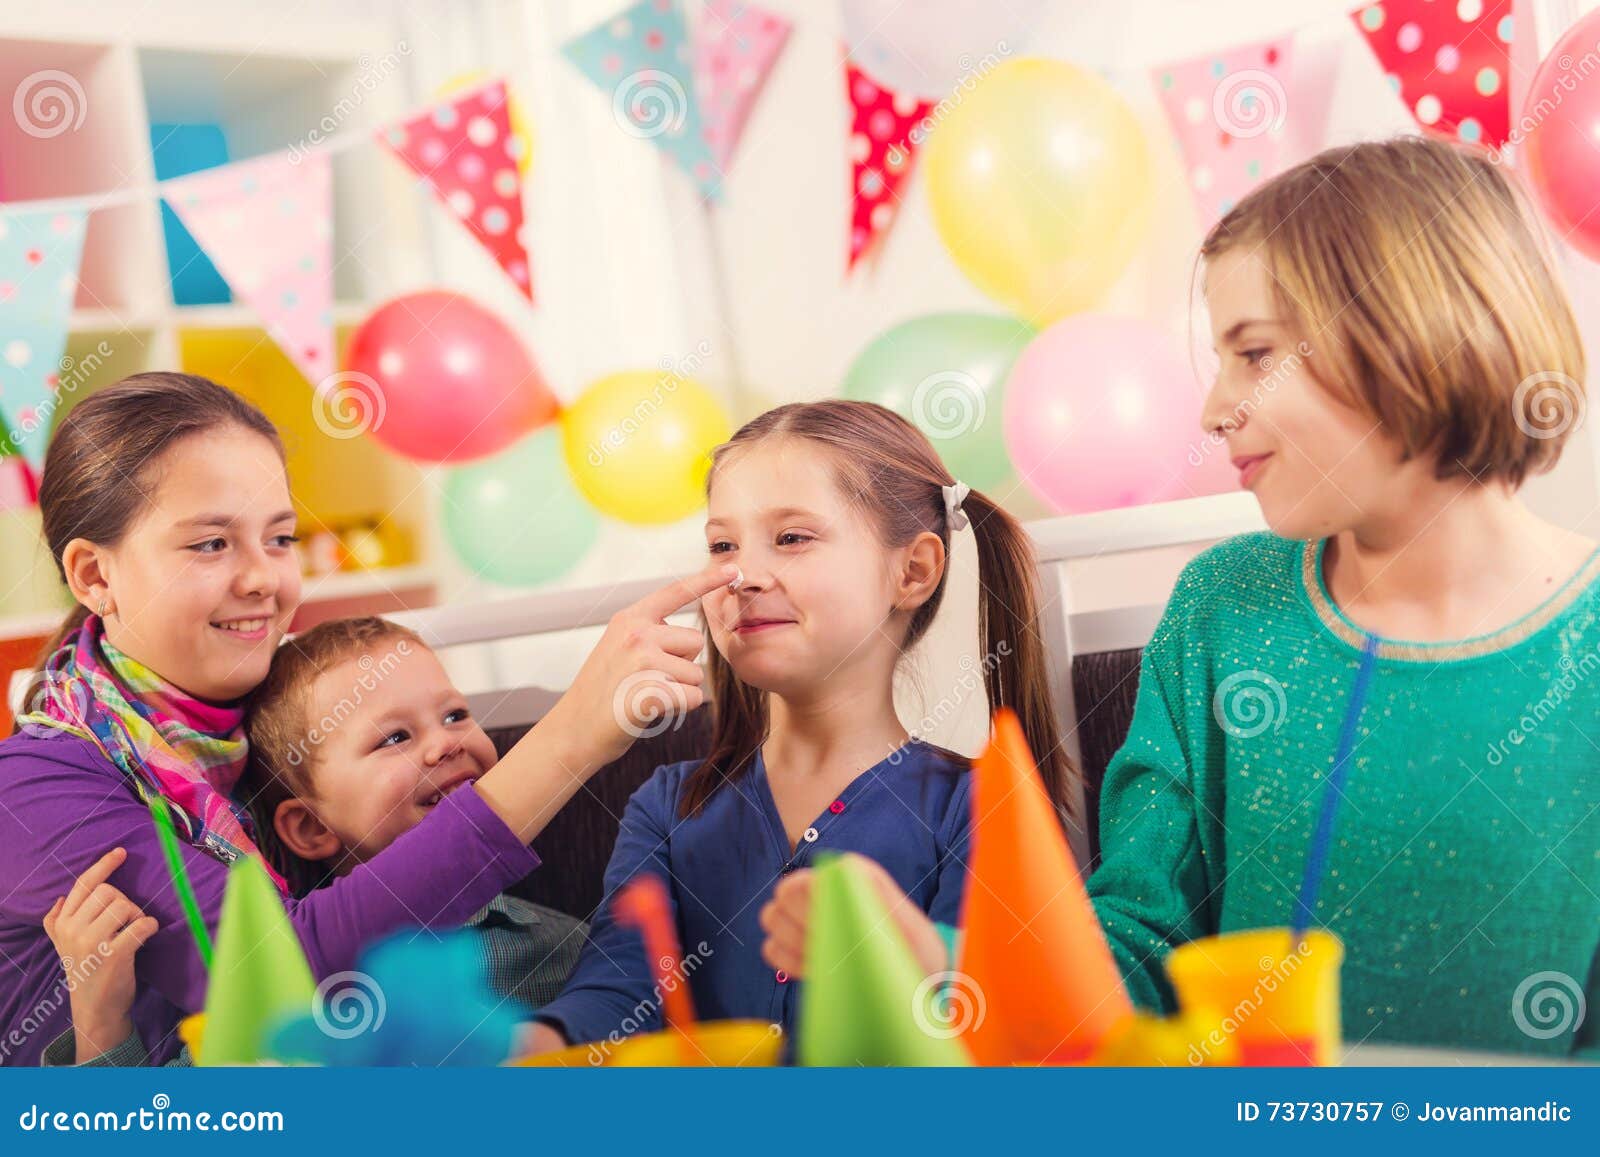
[[1040, 187], [521, 128], [639, 444]]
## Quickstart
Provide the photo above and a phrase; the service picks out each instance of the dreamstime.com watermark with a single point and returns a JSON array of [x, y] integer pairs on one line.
[[348, 404], [643, 1013], [650, 103], [972, 680], [1275, 373], [644, 706], [1248, 703], [1540, 107], [348, 1004], [947, 1004], [966, 84], [74, 973], [160, 1117], [71, 376], [1573, 674], [1547, 404], [371, 76], [672, 374], [373, 672], [48, 103], [1275, 971], [1547, 1005], [1248, 103]]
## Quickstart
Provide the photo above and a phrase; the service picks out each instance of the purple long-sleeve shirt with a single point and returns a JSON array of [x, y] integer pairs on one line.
[[63, 805]]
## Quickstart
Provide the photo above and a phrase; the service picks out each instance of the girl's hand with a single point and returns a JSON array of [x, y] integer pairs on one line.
[[784, 917], [641, 671], [97, 931]]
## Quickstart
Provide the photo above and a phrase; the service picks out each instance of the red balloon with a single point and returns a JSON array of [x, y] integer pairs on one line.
[[442, 379], [1562, 119]]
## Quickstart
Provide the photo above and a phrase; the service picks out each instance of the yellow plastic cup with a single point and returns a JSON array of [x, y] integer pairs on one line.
[[714, 1044], [1277, 1001]]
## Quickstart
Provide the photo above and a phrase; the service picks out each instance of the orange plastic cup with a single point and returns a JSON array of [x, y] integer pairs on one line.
[[1277, 1001]]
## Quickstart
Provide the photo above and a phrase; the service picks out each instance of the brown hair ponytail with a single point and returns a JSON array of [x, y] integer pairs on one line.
[[887, 465]]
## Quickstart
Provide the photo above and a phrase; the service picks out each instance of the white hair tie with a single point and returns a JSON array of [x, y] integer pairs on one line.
[[954, 496]]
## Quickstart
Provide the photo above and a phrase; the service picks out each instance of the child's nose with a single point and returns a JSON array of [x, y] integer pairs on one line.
[[440, 746]]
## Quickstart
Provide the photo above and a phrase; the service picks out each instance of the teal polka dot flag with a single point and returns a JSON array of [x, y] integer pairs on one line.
[[39, 256], [643, 59]]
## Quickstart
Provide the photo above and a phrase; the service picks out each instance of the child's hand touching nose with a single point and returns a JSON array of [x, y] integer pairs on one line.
[[97, 931], [783, 919]]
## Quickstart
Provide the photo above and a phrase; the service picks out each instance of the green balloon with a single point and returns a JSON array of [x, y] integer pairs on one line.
[[516, 518], [946, 373]]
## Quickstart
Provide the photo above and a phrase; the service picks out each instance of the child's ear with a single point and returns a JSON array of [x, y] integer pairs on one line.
[[84, 564], [920, 572], [303, 833]]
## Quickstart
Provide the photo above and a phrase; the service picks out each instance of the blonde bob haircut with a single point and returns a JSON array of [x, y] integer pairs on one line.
[[1428, 298]]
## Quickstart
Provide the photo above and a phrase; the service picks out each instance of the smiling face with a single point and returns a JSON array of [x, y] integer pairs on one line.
[[818, 586], [202, 586], [1315, 464], [395, 737]]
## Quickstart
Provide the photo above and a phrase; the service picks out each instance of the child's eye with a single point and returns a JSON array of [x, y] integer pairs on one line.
[[794, 538], [459, 715], [284, 541], [394, 737], [1254, 357], [209, 546], [720, 547]]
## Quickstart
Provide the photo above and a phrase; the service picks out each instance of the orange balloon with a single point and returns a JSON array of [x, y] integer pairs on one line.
[[1031, 943]]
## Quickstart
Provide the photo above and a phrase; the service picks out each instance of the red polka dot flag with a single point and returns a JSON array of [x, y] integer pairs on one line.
[[882, 145], [465, 153], [1450, 62]]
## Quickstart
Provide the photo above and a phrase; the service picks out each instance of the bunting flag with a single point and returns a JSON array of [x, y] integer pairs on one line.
[[735, 46], [466, 152], [881, 147], [642, 57], [39, 256], [1227, 111], [267, 225], [1450, 63]]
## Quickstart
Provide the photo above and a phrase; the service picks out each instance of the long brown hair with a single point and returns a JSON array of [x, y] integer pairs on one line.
[[100, 466], [887, 465]]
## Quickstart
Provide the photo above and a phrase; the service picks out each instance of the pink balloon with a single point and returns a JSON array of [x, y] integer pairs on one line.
[[1104, 412], [1559, 149], [443, 379]]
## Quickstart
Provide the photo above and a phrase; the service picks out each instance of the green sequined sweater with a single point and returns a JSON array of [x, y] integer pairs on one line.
[[1464, 872]]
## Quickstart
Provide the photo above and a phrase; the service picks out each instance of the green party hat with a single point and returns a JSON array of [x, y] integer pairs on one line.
[[865, 1001], [259, 975]]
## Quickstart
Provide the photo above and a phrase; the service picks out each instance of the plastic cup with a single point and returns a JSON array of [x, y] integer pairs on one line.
[[714, 1044], [1277, 1001]]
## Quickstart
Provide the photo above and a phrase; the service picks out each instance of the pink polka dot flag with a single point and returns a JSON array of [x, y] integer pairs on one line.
[[39, 255], [465, 153], [735, 46], [881, 151], [267, 225], [1449, 61], [1227, 111]]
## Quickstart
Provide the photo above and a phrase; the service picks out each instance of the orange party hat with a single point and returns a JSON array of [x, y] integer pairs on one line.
[[1031, 943]]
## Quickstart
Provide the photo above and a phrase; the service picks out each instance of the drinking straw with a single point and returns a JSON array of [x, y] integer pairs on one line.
[[180, 877], [1333, 794], [643, 904]]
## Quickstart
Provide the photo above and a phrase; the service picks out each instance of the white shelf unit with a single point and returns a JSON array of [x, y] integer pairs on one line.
[[271, 77]]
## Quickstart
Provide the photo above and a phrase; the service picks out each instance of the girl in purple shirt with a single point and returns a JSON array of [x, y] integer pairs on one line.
[[166, 508]]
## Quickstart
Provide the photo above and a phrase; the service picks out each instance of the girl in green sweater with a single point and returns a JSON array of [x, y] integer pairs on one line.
[[1396, 358]]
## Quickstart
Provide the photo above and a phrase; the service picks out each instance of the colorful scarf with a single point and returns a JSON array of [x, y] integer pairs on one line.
[[168, 743]]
